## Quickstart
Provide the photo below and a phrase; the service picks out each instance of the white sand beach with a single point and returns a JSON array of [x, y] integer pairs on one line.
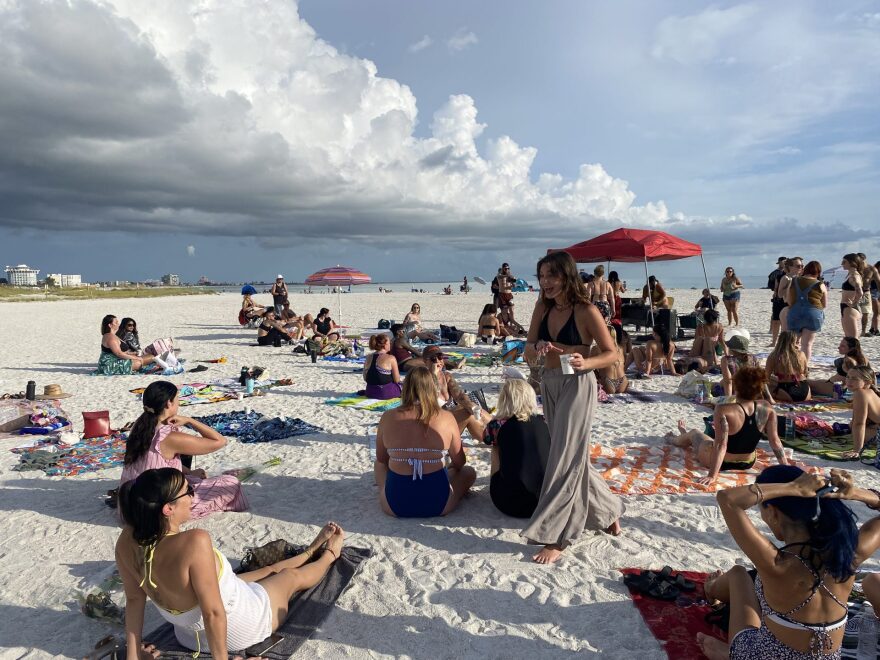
[[463, 586]]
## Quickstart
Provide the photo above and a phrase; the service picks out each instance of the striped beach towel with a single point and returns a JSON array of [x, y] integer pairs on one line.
[[363, 403]]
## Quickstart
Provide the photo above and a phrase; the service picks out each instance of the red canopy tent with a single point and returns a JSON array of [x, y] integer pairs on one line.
[[634, 245]]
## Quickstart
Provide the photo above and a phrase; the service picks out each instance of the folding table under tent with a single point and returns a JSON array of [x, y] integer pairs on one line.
[[633, 245]]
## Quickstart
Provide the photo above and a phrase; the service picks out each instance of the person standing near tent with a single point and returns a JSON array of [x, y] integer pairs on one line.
[[657, 294], [564, 324], [279, 295]]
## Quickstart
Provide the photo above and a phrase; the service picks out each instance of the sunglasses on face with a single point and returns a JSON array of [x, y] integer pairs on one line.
[[435, 358], [189, 492]]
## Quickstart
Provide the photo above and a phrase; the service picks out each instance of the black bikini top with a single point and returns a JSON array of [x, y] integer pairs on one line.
[[846, 286], [568, 333]]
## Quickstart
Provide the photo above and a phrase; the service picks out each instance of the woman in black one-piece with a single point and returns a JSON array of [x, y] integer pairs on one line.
[[520, 447]]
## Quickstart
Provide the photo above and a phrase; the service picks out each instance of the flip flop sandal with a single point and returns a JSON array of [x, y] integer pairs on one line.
[[201, 367], [664, 590], [108, 647], [683, 583]]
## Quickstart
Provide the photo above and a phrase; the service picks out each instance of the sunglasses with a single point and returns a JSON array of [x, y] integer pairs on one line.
[[436, 358], [129, 325], [190, 491]]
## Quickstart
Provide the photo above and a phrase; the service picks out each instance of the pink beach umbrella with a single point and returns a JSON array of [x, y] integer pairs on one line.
[[338, 276]]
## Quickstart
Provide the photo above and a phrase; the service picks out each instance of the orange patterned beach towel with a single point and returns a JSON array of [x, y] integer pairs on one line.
[[640, 470]]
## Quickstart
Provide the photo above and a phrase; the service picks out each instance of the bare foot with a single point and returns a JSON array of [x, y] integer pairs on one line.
[[710, 582], [548, 554], [682, 428], [712, 648], [613, 528], [334, 544], [323, 536]]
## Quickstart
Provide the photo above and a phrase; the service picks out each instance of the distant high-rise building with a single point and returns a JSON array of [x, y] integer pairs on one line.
[[171, 279], [22, 275]]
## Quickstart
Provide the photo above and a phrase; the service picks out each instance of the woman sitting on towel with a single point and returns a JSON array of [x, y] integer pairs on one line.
[[613, 378], [490, 327], [130, 341], [851, 353], [191, 584], [656, 356], [738, 357], [271, 330], [520, 442], [380, 370], [709, 338], [795, 606], [739, 427], [115, 361], [325, 327], [157, 441], [293, 325], [787, 370], [411, 446], [413, 323], [862, 382], [450, 395], [407, 356], [250, 309]]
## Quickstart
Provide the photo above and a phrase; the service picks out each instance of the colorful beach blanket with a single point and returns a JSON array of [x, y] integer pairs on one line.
[[224, 389], [363, 403], [59, 460], [343, 358], [675, 624], [663, 470], [253, 427], [831, 449], [473, 359]]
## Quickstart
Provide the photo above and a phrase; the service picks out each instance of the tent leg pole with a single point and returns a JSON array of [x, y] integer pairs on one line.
[[704, 272], [650, 293]]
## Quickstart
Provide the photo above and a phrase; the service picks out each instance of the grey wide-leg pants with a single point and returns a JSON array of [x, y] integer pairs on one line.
[[573, 497]]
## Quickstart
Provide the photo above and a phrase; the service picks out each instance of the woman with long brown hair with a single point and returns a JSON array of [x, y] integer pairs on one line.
[[862, 382], [730, 294], [787, 370], [564, 325]]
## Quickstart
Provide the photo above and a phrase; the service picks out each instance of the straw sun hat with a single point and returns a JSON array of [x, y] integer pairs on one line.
[[52, 391]]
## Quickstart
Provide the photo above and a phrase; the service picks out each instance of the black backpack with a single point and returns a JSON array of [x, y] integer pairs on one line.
[[384, 324]]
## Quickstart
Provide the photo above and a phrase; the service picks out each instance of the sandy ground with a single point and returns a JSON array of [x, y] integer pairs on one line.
[[460, 586]]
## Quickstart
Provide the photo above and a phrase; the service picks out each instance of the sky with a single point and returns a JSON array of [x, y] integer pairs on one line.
[[424, 141]]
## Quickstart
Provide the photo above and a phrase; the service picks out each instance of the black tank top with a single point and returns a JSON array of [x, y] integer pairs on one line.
[[376, 377], [323, 326], [747, 438], [568, 333]]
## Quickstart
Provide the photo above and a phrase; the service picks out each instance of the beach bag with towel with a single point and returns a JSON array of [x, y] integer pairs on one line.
[[96, 424], [450, 333], [467, 339], [690, 384], [160, 347]]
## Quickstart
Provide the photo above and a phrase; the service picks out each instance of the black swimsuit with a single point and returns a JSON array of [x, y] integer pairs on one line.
[[568, 333], [324, 327], [743, 441], [846, 286]]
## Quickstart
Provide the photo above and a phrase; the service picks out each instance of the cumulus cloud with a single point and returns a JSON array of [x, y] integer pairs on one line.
[[191, 250], [463, 38], [225, 118], [421, 44]]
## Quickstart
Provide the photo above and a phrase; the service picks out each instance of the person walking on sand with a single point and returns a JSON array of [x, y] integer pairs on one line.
[[730, 294], [564, 324]]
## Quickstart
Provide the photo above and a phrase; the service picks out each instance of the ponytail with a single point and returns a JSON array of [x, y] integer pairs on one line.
[[833, 534], [155, 399]]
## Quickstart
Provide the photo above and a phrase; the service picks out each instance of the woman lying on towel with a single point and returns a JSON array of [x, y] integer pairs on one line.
[[412, 444], [191, 584], [520, 443], [380, 370], [114, 361], [157, 440], [862, 382], [739, 427], [795, 606]]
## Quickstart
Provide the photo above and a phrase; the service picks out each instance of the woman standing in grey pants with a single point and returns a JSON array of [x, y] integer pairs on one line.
[[565, 323]]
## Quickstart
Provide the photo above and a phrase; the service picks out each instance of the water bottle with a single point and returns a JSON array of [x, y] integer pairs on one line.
[[249, 384], [243, 377], [371, 443], [789, 427], [701, 392], [838, 391], [867, 648], [31, 392]]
